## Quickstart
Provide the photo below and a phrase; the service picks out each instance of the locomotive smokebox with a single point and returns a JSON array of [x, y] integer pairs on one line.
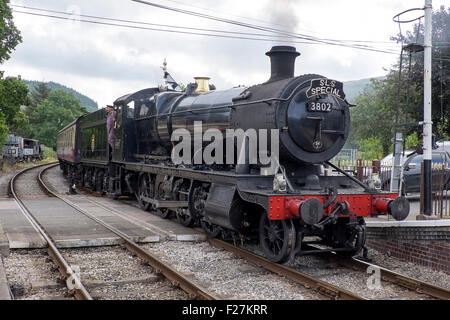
[[282, 62]]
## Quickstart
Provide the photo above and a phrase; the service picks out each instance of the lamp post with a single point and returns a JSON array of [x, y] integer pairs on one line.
[[427, 124]]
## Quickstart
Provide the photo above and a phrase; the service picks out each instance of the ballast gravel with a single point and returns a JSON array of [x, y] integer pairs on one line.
[[218, 270], [109, 273], [228, 276], [365, 284], [27, 267]]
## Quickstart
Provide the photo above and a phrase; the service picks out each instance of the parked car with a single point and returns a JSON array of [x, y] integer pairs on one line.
[[443, 145], [412, 167], [389, 159]]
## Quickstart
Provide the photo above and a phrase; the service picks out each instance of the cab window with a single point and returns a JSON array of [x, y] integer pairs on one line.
[[130, 110]]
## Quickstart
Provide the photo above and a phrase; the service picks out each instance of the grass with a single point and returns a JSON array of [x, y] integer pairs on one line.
[[22, 165]]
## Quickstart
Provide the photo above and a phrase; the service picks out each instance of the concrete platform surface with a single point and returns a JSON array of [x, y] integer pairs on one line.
[[70, 228], [4, 287], [124, 209], [66, 226], [17, 229]]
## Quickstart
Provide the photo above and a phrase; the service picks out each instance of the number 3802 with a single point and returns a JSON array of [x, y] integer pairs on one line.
[[320, 106]]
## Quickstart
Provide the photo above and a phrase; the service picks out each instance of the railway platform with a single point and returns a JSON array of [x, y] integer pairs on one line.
[[423, 242], [4, 287]]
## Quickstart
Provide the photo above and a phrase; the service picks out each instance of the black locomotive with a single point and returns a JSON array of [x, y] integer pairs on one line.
[[284, 203]]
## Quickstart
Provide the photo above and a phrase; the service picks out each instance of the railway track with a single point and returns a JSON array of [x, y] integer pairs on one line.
[[330, 290], [73, 282], [75, 287], [323, 288], [176, 278], [394, 277]]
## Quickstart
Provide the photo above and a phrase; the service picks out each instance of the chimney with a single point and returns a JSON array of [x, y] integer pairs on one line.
[[282, 62]]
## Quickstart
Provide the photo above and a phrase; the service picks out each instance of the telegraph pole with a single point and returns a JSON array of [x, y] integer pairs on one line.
[[427, 124]]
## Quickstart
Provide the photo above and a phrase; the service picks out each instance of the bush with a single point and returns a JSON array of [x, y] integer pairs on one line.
[[49, 153], [370, 149]]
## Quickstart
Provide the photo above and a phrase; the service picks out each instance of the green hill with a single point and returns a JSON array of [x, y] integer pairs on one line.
[[90, 104], [353, 88]]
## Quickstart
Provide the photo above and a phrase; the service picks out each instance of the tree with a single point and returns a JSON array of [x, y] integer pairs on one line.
[[440, 70], [54, 113], [9, 34], [13, 95], [371, 149], [375, 114], [375, 111], [3, 129], [13, 92], [39, 93]]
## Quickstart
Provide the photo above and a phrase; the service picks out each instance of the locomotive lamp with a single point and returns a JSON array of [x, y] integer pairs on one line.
[[279, 183]]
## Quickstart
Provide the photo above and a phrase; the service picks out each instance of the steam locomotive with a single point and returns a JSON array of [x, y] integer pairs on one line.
[[285, 202]]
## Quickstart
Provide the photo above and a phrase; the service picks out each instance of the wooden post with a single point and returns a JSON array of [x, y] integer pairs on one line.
[[376, 166], [359, 169]]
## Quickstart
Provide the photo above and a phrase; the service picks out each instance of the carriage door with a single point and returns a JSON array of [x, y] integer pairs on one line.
[[117, 150]]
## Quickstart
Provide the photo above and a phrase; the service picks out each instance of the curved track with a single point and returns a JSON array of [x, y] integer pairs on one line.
[[176, 278], [324, 288], [73, 282]]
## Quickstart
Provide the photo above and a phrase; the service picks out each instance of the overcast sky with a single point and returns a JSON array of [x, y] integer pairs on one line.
[[105, 62]]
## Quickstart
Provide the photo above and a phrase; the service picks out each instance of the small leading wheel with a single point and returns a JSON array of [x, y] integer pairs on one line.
[[212, 230], [276, 238]]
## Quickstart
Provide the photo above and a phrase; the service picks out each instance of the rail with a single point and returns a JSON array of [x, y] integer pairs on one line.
[[305, 280], [75, 287], [392, 276], [176, 278]]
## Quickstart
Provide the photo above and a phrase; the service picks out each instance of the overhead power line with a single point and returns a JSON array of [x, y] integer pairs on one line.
[[153, 29], [287, 38], [190, 5], [140, 22], [267, 29]]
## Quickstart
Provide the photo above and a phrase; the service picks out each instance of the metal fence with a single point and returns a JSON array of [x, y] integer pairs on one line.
[[346, 155], [440, 180], [363, 169]]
